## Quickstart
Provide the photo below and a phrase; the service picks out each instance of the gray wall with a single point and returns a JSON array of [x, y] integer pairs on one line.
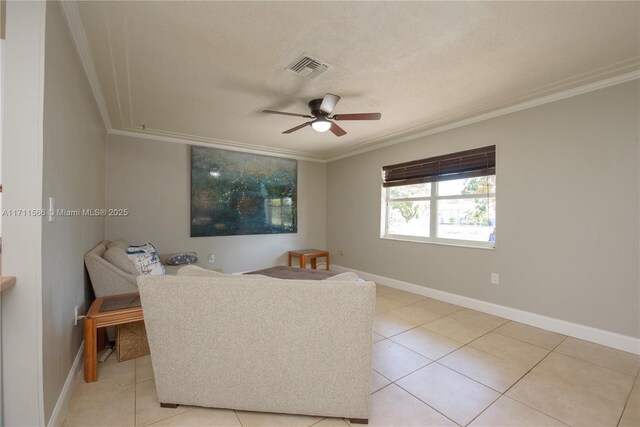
[[152, 180], [74, 174], [567, 212], [22, 189]]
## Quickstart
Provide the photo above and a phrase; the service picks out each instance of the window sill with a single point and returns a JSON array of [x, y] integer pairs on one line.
[[457, 244]]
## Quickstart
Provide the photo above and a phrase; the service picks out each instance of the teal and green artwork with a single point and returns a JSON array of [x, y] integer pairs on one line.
[[235, 193]]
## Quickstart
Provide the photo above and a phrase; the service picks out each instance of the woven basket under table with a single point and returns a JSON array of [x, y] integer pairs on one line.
[[131, 341]]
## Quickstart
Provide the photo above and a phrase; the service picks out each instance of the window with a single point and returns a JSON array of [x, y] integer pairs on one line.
[[447, 199]]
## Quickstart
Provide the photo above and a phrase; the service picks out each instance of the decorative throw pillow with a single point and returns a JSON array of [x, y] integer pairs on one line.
[[146, 259], [118, 257], [183, 258]]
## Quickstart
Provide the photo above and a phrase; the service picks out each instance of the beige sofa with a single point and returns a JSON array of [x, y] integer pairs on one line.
[[261, 344], [110, 270]]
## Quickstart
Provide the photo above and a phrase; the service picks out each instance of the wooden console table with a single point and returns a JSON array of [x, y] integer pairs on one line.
[[106, 311], [312, 254]]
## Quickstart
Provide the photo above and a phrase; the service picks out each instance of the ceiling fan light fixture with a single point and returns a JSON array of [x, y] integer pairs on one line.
[[321, 125], [321, 110]]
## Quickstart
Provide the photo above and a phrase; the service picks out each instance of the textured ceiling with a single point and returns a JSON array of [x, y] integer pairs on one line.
[[206, 70]]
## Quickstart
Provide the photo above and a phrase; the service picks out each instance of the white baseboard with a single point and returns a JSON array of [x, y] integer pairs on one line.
[[587, 333], [62, 405]]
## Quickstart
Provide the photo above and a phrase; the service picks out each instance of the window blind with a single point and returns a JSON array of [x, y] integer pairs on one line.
[[464, 164]]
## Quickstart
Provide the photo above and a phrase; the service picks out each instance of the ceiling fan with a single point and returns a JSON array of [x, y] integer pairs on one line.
[[320, 113]]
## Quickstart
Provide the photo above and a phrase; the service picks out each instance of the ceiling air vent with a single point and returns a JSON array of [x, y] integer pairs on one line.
[[308, 66]]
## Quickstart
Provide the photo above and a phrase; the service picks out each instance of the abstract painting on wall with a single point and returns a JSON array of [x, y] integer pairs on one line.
[[234, 193]]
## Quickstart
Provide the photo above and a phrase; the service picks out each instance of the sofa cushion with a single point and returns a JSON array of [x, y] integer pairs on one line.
[[146, 259], [119, 258], [122, 244], [182, 258], [195, 271], [348, 276], [172, 270]]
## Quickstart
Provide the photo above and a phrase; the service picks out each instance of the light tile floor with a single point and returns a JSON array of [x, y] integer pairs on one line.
[[434, 364]]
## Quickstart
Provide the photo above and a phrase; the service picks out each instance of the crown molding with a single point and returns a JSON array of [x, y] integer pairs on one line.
[[216, 143], [384, 141], [71, 16], [590, 87]]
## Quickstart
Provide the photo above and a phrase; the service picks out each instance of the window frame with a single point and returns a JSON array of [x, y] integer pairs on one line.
[[433, 199]]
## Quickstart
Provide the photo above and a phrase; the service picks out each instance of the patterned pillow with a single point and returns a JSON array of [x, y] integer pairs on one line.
[[146, 259], [183, 258]]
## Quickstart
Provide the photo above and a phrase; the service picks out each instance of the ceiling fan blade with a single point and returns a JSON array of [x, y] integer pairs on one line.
[[287, 114], [358, 116], [337, 130], [329, 103], [297, 128]]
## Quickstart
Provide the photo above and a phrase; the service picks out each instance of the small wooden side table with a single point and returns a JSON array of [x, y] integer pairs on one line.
[[106, 311], [312, 254]]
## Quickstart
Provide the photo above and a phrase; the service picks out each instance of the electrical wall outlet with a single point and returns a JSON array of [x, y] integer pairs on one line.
[[211, 258], [495, 279]]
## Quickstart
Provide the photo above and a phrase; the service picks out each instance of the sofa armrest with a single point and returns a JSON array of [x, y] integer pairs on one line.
[[108, 279]]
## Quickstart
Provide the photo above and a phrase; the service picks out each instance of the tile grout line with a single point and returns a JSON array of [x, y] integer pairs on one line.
[[594, 363], [624, 408], [238, 417], [135, 406], [420, 400], [433, 320], [468, 377], [533, 367], [406, 330], [468, 343], [391, 381], [575, 385], [526, 342], [435, 361], [432, 361], [319, 421], [406, 375], [464, 345], [473, 379], [419, 354], [525, 404], [520, 379]]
